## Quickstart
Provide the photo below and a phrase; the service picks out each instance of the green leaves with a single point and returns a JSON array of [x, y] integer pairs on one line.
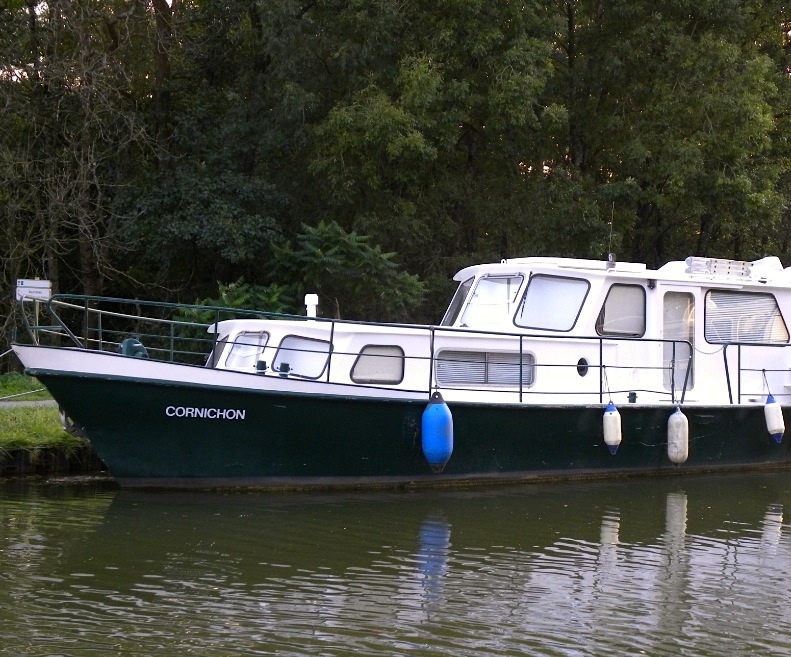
[[161, 149], [215, 211], [371, 138], [679, 100], [242, 295], [352, 278]]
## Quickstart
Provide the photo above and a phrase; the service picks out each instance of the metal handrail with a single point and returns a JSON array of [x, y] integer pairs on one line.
[[102, 335], [740, 371]]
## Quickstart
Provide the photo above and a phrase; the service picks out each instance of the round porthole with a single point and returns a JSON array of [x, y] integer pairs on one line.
[[582, 367]]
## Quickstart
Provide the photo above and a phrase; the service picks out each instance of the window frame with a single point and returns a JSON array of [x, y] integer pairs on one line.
[[261, 346], [453, 312], [291, 372], [708, 320], [369, 381], [484, 279], [520, 306], [599, 325], [487, 362]]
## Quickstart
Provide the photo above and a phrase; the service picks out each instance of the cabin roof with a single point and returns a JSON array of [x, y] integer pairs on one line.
[[694, 268]]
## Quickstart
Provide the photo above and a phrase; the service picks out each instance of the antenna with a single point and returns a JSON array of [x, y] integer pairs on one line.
[[612, 217], [610, 254]]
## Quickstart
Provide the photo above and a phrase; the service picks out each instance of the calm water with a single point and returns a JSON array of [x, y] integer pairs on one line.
[[643, 567]]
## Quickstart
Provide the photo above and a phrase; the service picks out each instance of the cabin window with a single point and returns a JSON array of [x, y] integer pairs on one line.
[[246, 348], [678, 331], [456, 303], [378, 363], [751, 317], [623, 312], [493, 301], [552, 303], [303, 357], [484, 368]]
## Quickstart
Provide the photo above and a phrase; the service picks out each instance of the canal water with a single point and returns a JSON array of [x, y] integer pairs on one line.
[[632, 567]]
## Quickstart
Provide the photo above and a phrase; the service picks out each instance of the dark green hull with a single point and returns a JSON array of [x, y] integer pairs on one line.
[[252, 438]]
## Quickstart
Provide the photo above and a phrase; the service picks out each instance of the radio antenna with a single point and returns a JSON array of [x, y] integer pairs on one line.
[[612, 216]]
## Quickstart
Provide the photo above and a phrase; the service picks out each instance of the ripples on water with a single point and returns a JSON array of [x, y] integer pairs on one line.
[[643, 567]]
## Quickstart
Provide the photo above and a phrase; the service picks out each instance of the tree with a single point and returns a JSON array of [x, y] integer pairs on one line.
[[202, 211], [349, 275], [422, 149], [68, 127], [171, 149], [671, 114]]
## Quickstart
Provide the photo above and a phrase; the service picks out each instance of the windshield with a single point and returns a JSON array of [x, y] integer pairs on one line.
[[492, 302], [456, 303]]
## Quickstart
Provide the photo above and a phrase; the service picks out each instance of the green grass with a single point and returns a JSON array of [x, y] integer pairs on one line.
[[30, 427], [33, 427], [19, 387]]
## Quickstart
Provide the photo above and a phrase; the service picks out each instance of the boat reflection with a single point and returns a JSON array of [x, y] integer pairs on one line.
[[423, 593], [339, 532], [633, 564]]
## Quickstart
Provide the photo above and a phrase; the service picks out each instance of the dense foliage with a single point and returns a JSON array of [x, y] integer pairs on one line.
[[366, 149]]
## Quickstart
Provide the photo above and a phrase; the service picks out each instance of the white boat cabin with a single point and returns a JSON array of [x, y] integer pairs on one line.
[[552, 331]]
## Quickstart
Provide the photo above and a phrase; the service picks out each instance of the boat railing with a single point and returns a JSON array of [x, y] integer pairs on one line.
[[584, 367], [170, 332], [179, 333], [746, 383]]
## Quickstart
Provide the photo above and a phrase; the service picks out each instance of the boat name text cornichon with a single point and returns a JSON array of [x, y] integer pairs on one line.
[[210, 413]]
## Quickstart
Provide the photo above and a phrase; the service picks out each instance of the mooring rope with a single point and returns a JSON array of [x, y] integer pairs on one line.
[[21, 394], [606, 382]]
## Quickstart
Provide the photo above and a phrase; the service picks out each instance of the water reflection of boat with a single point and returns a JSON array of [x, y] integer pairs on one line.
[[519, 381], [629, 565], [339, 531]]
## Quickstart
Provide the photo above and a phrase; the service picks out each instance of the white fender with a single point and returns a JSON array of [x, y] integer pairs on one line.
[[612, 427], [774, 419], [677, 437]]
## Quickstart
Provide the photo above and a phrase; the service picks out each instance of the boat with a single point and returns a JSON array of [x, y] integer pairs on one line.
[[541, 368]]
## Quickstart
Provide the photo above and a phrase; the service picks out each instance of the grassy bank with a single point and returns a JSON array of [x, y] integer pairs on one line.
[[18, 387], [30, 427], [34, 427]]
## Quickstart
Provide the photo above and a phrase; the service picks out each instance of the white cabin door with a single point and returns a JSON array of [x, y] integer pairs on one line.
[[678, 323]]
